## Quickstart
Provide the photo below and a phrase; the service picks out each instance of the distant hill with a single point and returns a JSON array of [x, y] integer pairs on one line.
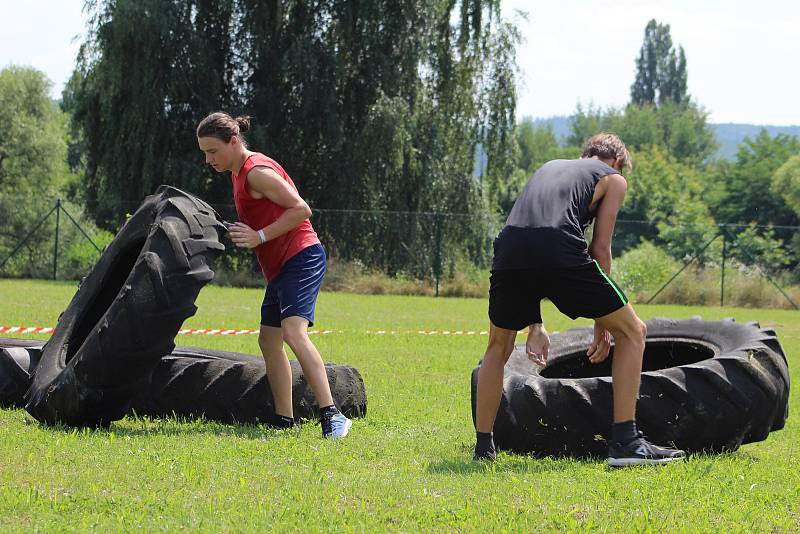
[[728, 135]]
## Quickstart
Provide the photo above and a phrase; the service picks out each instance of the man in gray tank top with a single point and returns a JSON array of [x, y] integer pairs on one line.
[[541, 253]]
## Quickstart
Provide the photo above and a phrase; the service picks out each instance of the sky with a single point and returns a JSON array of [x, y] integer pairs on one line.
[[743, 57]]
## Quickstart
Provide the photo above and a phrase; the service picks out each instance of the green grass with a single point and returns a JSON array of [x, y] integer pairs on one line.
[[406, 466]]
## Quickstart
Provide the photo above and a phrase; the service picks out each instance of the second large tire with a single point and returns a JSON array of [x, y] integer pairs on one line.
[[706, 386], [126, 313], [233, 388]]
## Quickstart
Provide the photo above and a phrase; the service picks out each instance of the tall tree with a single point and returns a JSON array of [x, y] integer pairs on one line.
[[660, 69], [147, 72], [369, 105], [681, 130], [33, 143]]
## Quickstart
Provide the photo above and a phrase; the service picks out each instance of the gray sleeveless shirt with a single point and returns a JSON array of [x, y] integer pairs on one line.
[[546, 225]]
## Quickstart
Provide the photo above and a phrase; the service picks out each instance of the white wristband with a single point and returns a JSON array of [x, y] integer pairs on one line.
[[261, 235]]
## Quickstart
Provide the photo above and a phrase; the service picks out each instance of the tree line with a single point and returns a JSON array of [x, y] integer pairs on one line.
[[378, 109]]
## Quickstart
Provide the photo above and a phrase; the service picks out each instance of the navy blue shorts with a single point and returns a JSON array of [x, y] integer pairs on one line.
[[293, 293]]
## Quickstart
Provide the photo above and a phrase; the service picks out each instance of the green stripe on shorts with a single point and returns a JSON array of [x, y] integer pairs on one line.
[[611, 283]]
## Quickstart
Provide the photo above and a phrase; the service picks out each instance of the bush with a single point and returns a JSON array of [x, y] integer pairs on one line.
[[643, 269], [744, 287], [81, 255]]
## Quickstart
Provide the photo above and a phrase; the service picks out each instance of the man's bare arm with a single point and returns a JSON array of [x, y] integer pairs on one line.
[[606, 218]]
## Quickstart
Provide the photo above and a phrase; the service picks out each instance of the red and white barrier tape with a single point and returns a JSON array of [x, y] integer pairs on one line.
[[219, 332], [25, 330]]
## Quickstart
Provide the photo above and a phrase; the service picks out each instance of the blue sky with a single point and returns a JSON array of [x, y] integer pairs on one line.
[[742, 56]]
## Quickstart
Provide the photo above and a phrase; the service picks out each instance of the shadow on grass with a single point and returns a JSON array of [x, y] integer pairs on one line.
[[510, 463], [702, 462], [172, 426]]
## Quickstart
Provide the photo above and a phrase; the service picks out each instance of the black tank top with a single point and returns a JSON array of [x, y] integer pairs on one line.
[[545, 227]]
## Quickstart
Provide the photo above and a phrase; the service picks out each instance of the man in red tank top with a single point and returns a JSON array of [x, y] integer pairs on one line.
[[273, 220]]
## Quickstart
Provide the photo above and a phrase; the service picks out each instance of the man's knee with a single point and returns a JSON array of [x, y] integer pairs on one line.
[[633, 331]]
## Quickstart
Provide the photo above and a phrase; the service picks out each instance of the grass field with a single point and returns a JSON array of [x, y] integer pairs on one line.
[[405, 467]]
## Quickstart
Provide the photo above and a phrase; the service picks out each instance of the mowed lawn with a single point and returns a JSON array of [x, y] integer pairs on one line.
[[406, 466]]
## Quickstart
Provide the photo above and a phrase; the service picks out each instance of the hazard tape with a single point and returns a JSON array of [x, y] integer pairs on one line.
[[220, 332], [25, 330]]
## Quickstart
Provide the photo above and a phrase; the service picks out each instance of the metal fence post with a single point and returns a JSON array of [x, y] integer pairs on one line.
[[55, 244], [437, 267], [722, 278], [27, 237]]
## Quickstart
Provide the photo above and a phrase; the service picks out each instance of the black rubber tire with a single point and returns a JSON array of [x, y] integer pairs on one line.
[[192, 382], [18, 360], [127, 311], [706, 386], [232, 388]]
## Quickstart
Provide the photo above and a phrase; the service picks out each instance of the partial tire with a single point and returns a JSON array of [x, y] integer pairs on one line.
[[18, 360], [706, 386], [125, 315], [232, 388]]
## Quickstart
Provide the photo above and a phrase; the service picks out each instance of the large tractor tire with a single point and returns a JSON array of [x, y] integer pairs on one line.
[[706, 386], [126, 313], [193, 382], [232, 388]]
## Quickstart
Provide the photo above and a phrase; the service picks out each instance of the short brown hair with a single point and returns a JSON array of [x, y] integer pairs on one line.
[[222, 126], [607, 146]]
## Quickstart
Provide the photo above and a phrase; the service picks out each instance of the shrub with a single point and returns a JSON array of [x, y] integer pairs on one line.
[[643, 269]]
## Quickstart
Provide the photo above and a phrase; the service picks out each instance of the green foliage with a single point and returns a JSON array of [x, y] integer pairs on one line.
[[681, 130], [81, 255], [146, 73], [667, 195], [755, 245], [369, 106], [786, 183], [744, 186], [643, 268], [537, 145], [660, 69], [33, 170], [33, 137]]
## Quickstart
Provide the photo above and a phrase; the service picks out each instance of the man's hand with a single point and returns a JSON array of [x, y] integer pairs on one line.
[[601, 344], [243, 236], [538, 344]]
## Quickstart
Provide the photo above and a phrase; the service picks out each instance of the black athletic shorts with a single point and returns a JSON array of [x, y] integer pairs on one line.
[[585, 291]]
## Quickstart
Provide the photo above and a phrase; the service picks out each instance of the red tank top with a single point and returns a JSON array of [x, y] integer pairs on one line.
[[260, 212]]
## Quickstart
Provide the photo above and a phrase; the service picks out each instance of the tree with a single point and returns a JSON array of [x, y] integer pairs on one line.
[[681, 130], [147, 72], [786, 183], [744, 186], [33, 175], [33, 143], [331, 84], [660, 69], [666, 195]]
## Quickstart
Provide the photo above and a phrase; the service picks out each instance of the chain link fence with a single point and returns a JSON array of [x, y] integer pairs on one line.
[[653, 262]]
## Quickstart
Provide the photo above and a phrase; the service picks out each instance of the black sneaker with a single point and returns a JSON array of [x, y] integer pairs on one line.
[[639, 451], [484, 453]]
